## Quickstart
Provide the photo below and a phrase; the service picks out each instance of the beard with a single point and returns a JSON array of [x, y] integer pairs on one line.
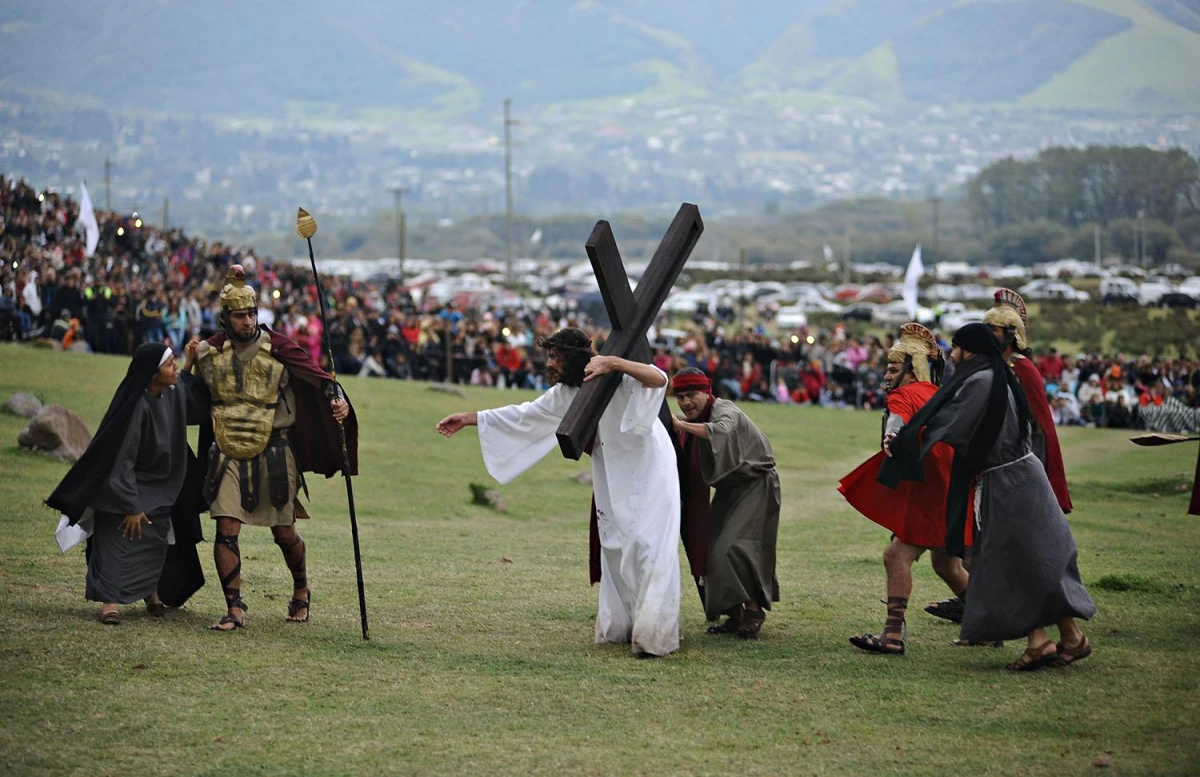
[[553, 376]]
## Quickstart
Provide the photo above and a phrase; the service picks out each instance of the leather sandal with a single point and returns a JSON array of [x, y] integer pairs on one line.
[[295, 606], [751, 623], [730, 626], [948, 609], [1067, 656], [1034, 658], [112, 618]]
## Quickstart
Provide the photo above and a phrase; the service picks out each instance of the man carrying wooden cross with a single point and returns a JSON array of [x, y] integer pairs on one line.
[[614, 407], [635, 482]]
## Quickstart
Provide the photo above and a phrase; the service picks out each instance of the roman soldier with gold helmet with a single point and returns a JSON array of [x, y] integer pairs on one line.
[[274, 417], [1008, 318], [915, 513]]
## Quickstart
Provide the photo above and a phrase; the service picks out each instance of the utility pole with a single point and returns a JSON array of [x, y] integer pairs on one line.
[[107, 184], [936, 202], [166, 212], [401, 228], [742, 291], [1096, 241], [1141, 238], [508, 206], [846, 250]]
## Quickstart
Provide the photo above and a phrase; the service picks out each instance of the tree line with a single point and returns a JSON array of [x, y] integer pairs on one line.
[[1143, 202]]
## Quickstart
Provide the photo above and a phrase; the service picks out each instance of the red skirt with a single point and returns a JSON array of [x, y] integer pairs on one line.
[[914, 512]]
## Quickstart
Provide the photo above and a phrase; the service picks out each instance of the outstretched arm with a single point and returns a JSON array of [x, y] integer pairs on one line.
[[681, 424], [452, 424], [645, 374]]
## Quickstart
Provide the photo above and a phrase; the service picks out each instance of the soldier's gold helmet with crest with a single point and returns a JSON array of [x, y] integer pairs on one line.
[[235, 294], [917, 348], [1009, 312]]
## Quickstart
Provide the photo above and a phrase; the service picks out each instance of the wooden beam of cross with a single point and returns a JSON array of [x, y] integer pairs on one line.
[[631, 314]]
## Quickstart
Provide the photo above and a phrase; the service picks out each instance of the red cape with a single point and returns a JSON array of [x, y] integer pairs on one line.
[[914, 512], [1035, 393], [695, 499], [316, 442]]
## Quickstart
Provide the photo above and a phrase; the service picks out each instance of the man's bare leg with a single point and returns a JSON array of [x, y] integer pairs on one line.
[[228, 557], [950, 570], [898, 559]]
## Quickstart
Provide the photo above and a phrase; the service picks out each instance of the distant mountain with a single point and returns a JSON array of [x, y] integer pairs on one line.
[[402, 59]]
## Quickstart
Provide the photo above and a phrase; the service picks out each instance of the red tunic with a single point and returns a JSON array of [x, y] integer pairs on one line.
[[914, 512], [1035, 393]]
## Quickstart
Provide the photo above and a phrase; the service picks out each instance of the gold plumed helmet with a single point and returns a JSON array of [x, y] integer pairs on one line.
[[1009, 312], [918, 345], [235, 294]]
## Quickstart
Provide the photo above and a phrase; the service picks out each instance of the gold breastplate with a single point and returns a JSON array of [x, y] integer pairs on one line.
[[245, 390]]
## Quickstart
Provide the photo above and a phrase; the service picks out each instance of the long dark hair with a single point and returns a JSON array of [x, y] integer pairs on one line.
[[575, 348]]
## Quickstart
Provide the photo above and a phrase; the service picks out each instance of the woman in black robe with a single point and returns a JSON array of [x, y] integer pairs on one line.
[[132, 493]]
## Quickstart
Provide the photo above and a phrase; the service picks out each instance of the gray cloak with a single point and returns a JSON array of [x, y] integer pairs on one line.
[[737, 462], [1025, 573]]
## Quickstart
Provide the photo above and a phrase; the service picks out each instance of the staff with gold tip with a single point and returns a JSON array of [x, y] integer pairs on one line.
[[306, 227]]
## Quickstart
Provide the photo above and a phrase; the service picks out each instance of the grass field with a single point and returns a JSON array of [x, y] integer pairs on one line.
[[481, 658]]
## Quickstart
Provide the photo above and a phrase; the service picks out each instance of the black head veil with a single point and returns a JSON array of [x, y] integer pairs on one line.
[[96, 463]]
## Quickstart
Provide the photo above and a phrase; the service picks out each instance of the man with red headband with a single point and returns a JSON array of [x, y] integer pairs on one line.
[[730, 543]]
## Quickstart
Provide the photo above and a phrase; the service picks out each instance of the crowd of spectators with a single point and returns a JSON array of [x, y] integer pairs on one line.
[[145, 284], [1121, 392]]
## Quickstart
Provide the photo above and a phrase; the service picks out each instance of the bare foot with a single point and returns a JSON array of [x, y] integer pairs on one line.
[[298, 606]]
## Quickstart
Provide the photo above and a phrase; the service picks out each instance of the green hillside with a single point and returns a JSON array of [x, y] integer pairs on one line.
[[413, 59]]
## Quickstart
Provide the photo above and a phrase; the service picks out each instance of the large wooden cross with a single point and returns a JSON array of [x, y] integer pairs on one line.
[[631, 314]]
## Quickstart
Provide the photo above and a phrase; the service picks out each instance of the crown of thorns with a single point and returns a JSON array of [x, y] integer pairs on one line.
[[560, 343]]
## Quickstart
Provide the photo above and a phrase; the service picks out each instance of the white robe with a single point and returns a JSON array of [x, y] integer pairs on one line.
[[636, 484]]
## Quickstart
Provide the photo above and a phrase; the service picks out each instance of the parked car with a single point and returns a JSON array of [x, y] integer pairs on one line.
[[1118, 286], [1178, 299], [791, 317], [1191, 286], [896, 313], [954, 320], [1061, 291], [863, 311], [1150, 292]]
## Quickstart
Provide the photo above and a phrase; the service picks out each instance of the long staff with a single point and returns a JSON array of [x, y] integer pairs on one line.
[[306, 226]]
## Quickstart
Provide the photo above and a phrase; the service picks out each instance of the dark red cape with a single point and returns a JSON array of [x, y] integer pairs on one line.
[[1035, 393], [913, 511], [316, 443], [696, 498]]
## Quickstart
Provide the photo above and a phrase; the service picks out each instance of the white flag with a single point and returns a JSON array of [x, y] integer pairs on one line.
[[536, 237], [911, 277], [87, 219]]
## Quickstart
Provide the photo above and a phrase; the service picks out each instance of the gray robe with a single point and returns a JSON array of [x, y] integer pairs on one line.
[[1025, 573], [737, 461], [147, 475]]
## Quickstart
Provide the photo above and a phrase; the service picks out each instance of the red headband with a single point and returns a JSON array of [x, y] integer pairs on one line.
[[691, 382]]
